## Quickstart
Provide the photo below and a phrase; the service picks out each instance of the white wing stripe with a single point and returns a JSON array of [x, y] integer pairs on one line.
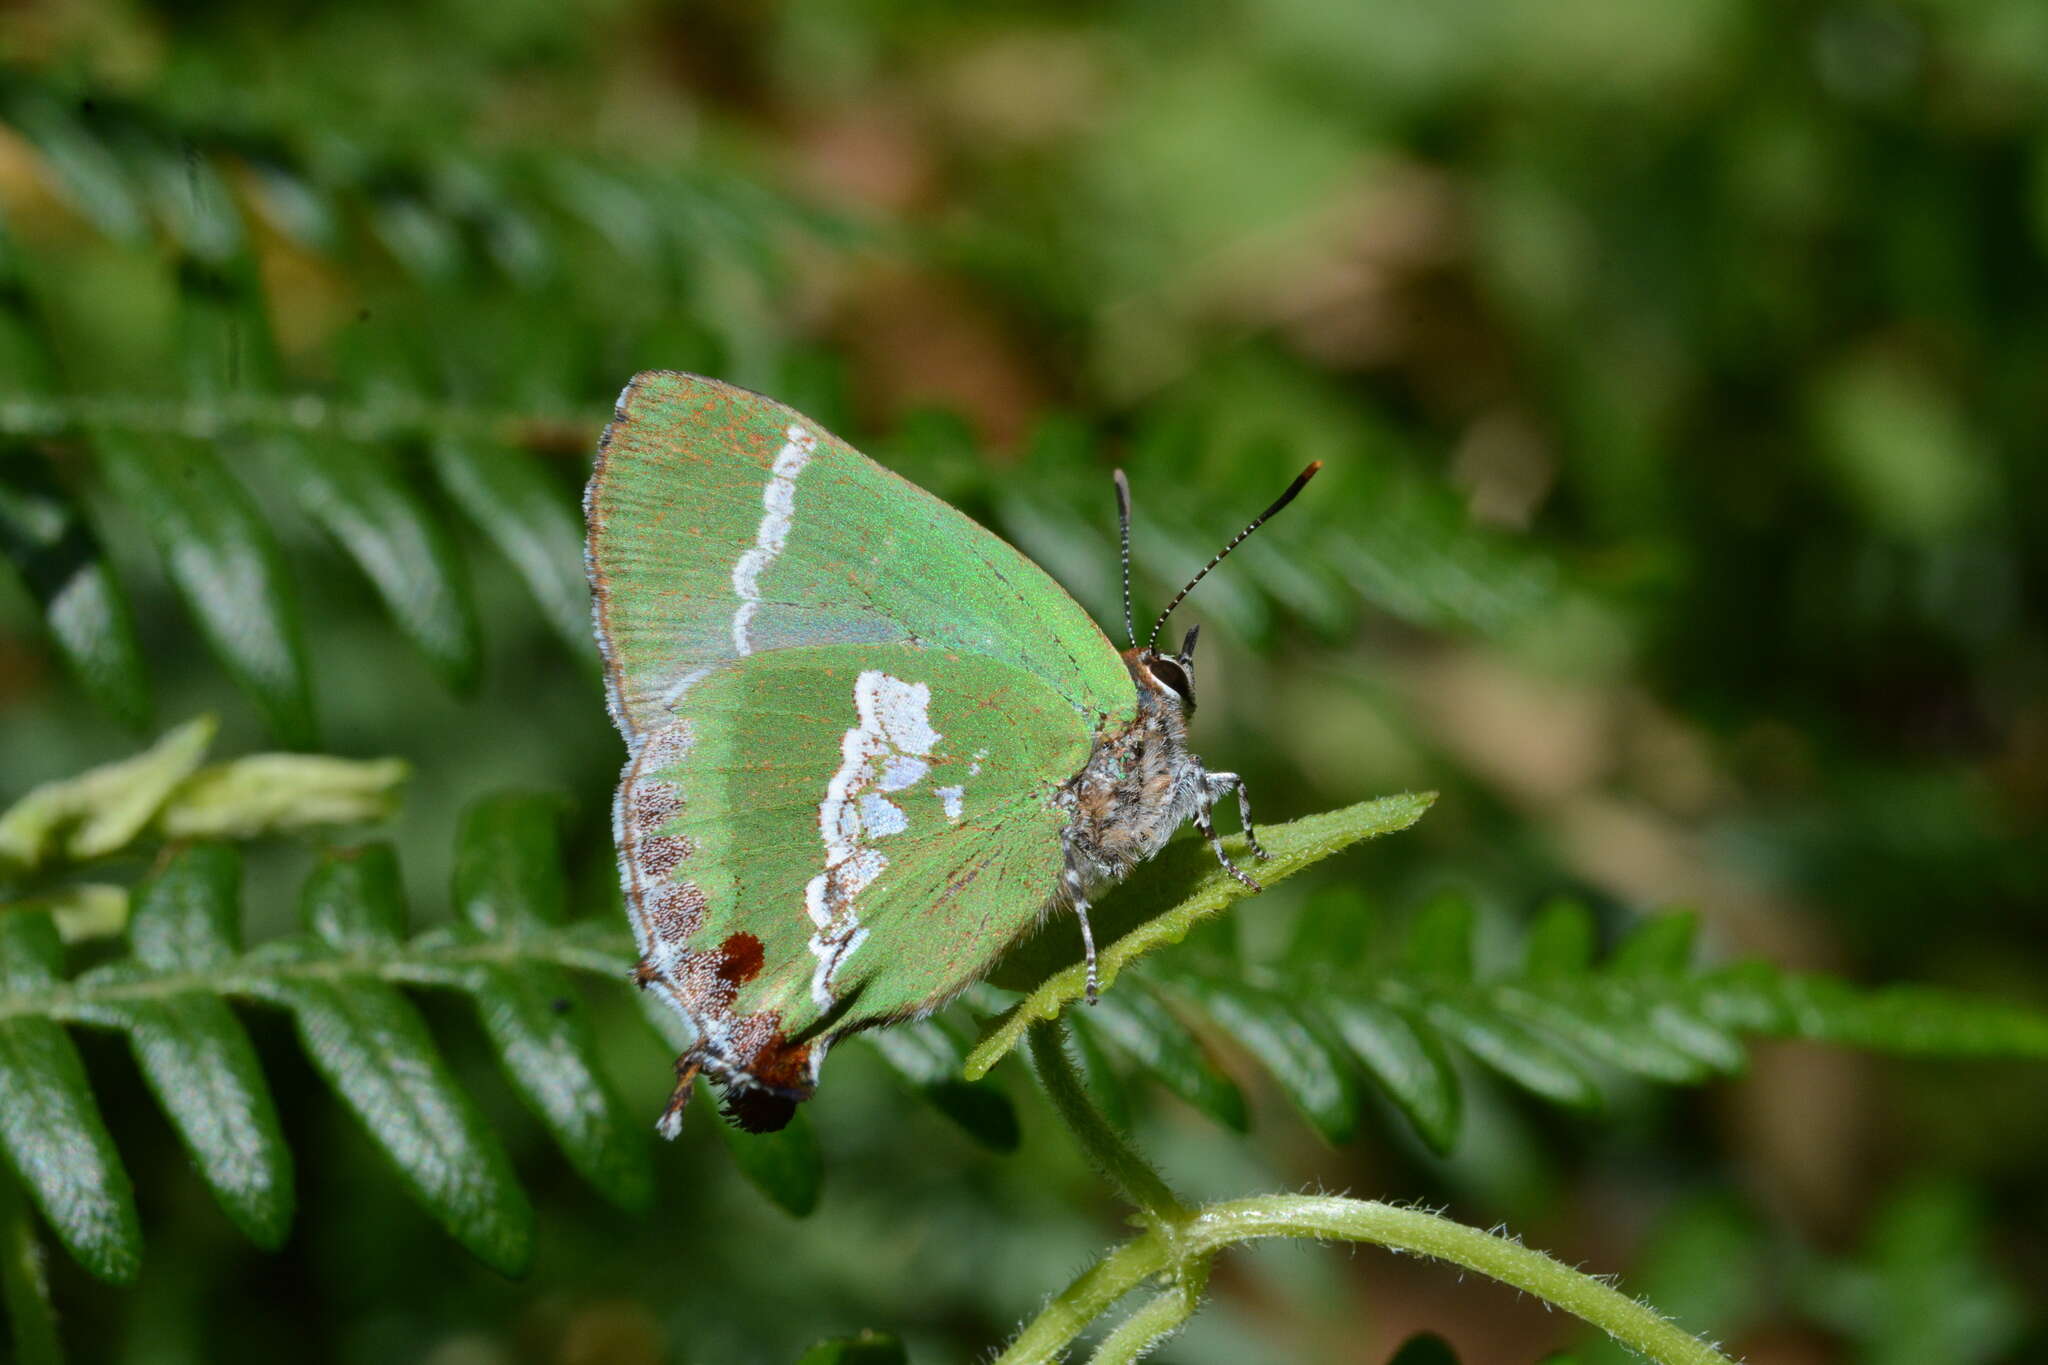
[[778, 502]]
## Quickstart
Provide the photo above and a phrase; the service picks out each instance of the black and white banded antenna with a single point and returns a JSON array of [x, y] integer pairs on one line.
[[1123, 495], [1123, 525]]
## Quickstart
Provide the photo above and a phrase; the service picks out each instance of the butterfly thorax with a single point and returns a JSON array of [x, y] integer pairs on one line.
[[1139, 786]]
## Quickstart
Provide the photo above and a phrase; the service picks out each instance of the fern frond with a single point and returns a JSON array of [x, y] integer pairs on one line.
[[339, 979], [165, 793], [513, 291], [344, 980], [358, 456], [1183, 887], [1549, 1026]]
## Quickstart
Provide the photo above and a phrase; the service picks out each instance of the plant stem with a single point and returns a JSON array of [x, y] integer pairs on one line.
[[1090, 1296], [1107, 1149], [1635, 1325], [41, 415], [1146, 1328], [1179, 1244]]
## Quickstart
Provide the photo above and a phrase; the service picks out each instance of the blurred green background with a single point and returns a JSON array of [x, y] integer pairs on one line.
[[1679, 369]]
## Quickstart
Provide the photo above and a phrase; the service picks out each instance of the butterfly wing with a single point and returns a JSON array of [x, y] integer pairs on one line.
[[723, 524], [848, 709], [836, 836]]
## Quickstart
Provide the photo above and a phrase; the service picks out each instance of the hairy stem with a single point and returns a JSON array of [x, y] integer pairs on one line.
[[1180, 1243], [1107, 1149], [1091, 1295], [1152, 1324], [1633, 1324]]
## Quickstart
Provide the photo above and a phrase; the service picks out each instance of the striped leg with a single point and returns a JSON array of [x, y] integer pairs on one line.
[[1215, 784], [1208, 829], [1077, 896]]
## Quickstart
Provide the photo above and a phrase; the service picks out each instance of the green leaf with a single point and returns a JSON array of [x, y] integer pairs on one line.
[[263, 794], [1661, 945], [24, 1283], [1562, 940], [1106, 1086], [510, 498], [184, 918], [541, 1030], [191, 202], [1619, 1037], [787, 1166], [373, 1048], [65, 568], [1293, 1045], [1159, 905], [222, 339], [928, 1057], [1517, 1052], [1137, 1024], [191, 1049], [1925, 1288], [1913, 1020], [1332, 935], [358, 496], [102, 809], [869, 1348], [84, 169], [1409, 1063], [50, 1126], [1440, 940], [508, 865], [83, 911], [508, 883], [1690, 1032], [224, 563], [202, 1068], [352, 902]]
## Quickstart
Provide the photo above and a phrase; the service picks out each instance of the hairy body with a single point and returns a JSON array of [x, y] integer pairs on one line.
[[1139, 786]]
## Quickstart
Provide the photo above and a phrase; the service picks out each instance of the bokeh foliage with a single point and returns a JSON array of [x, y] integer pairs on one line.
[[1677, 368]]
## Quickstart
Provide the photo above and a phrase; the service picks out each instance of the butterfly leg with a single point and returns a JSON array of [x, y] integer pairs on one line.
[[670, 1124], [1208, 830], [1215, 785], [1077, 896]]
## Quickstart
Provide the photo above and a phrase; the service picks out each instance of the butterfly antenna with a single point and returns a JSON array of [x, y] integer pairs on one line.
[[1123, 525], [1293, 491]]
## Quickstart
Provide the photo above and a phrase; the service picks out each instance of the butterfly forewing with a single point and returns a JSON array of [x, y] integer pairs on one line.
[[724, 524]]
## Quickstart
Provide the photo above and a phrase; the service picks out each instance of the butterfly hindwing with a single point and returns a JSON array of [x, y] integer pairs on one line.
[[836, 836]]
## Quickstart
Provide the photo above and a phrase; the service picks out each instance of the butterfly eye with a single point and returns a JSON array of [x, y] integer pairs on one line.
[[1169, 673]]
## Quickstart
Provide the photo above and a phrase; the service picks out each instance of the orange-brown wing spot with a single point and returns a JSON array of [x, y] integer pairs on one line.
[[740, 959]]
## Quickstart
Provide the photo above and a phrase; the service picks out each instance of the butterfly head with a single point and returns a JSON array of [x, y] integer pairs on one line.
[[1170, 674], [1173, 675]]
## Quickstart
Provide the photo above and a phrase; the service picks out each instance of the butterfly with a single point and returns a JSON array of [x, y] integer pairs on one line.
[[869, 744]]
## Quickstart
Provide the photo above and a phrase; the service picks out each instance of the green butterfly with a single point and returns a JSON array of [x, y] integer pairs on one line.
[[870, 745]]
